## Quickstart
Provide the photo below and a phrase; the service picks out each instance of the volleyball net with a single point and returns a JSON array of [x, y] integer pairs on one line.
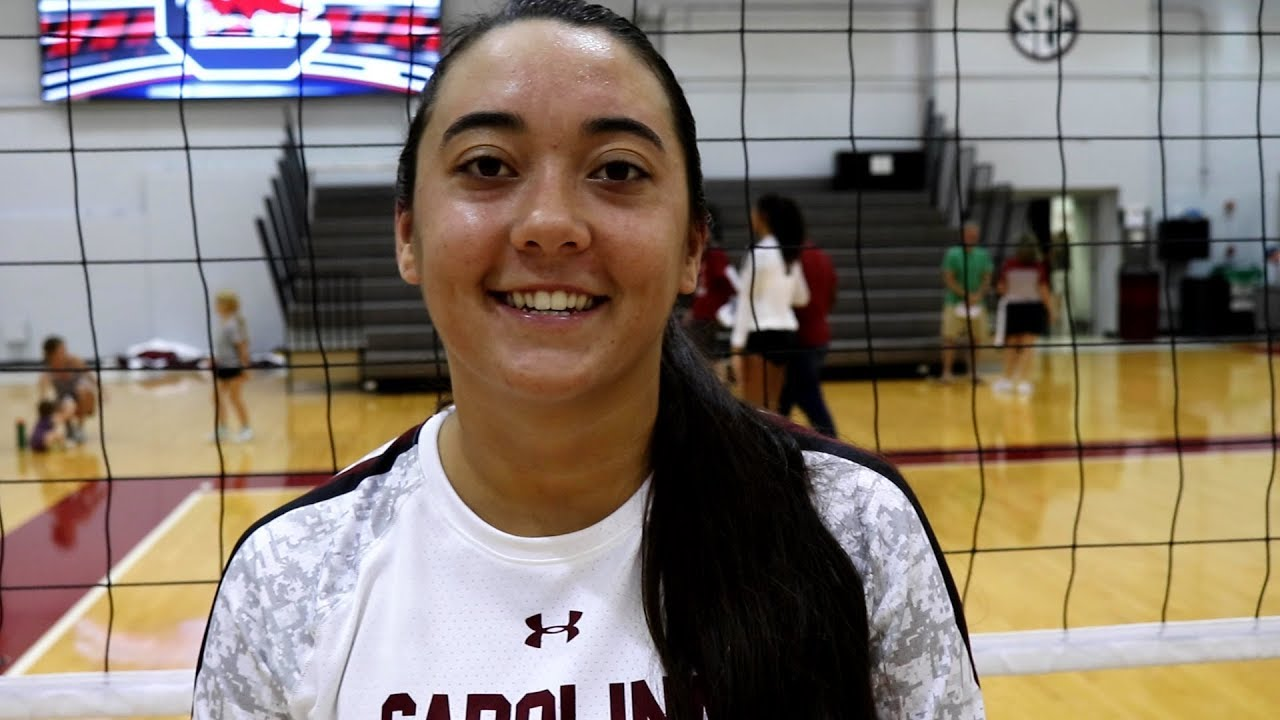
[[1097, 130]]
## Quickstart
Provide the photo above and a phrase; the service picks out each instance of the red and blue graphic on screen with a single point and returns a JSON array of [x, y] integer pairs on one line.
[[160, 49]]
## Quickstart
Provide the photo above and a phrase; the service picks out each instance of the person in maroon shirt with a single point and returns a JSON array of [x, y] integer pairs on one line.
[[803, 385], [716, 287]]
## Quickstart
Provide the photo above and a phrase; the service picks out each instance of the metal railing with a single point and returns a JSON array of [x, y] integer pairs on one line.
[[282, 229], [319, 308]]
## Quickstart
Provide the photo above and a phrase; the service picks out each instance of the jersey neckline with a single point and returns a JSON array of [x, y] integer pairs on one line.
[[517, 548]]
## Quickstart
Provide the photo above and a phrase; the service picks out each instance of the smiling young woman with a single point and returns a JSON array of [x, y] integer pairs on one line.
[[596, 528]]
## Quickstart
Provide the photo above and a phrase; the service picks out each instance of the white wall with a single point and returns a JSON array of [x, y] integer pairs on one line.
[[797, 84], [1003, 94], [1131, 88], [1111, 89], [1204, 175], [134, 204]]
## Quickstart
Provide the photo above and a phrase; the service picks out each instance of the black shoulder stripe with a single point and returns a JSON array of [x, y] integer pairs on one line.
[[341, 484], [809, 440]]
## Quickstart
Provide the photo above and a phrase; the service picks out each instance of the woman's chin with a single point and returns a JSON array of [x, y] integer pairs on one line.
[[548, 376], [544, 380]]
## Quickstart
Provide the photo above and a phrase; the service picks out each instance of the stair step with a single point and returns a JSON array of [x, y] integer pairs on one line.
[[888, 301], [365, 247], [730, 193], [415, 337], [885, 325], [340, 227], [382, 266], [383, 365], [915, 278], [878, 257], [372, 289]]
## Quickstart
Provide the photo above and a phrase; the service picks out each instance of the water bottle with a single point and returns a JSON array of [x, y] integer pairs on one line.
[[22, 434]]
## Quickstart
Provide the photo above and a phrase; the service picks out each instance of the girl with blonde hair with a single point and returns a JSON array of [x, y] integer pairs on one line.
[[230, 359]]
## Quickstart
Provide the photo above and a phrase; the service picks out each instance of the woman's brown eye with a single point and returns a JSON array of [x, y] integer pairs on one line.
[[619, 171], [488, 166]]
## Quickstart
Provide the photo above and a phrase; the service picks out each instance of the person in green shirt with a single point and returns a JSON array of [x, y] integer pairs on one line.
[[966, 275]]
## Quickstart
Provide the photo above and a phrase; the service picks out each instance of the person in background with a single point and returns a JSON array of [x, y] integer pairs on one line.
[[50, 430], [66, 381], [966, 276], [803, 385], [717, 284], [230, 358], [1028, 312], [772, 285]]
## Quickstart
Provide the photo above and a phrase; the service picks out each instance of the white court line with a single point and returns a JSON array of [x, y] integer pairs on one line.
[[46, 641], [1097, 344]]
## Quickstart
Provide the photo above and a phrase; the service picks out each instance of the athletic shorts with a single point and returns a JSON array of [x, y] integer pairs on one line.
[[776, 346], [956, 328], [228, 373], [1025, 318]]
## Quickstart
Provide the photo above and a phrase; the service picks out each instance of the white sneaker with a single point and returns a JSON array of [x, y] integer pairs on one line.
[[1002, 385], [245, 435], [1024, 388], [221, 433]]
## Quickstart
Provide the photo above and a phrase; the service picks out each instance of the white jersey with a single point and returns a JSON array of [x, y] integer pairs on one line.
[[768, 292], [382, 595]]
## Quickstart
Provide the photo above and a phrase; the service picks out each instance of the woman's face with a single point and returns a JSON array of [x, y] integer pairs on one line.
[[550, 224]]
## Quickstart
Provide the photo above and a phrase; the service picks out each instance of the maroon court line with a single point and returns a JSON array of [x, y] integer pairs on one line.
[[1089, 450], [65, 546]]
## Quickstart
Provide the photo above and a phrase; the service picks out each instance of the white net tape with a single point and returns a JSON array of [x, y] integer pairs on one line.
[[168, 692], [1035, 652], [80, 695]]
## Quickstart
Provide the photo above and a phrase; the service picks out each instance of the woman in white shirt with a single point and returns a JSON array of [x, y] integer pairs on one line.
[[771, 284]]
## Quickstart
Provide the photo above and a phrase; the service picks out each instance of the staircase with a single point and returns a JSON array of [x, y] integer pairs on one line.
[[354, 231]]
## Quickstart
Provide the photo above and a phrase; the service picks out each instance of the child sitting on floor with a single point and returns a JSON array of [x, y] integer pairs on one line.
[[50, 431]]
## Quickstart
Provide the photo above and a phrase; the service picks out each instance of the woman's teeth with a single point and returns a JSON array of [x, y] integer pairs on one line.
[[557, 301]]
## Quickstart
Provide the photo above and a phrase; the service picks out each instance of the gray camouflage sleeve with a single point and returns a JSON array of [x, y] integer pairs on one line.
[[920, 663], [239, 675]]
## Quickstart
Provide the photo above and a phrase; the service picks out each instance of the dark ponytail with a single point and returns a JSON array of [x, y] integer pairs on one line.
[[785, 222], [754, 607]]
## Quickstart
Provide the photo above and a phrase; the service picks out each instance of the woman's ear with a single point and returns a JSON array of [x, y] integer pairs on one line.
[[698, 233], [406, 246]]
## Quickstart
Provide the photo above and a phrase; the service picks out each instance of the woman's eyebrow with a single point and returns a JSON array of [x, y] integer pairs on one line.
[[483, 119], [607, 125]]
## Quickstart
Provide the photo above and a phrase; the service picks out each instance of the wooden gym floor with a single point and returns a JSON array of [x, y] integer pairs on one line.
[[166, 502]]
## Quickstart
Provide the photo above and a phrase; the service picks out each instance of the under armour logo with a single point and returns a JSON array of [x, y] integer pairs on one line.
[[535, 624]]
